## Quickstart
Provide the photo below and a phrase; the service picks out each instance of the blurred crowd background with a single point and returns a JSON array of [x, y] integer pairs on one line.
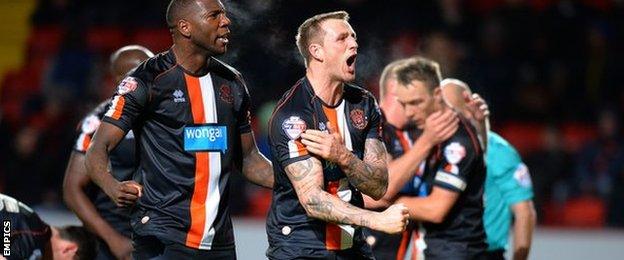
[[550, 70]]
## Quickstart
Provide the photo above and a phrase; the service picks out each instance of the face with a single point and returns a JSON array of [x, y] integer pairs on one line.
[[62, 249], [209, 26], [393, 110], [339, 49], [417, 101]]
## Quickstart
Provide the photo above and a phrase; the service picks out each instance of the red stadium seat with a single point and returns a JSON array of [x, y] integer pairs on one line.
[[575, 135], [45, 41], [157, 40], [105, 39], [525, 136]]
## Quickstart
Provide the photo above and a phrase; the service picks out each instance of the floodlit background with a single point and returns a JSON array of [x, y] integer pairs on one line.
[[551, 71]]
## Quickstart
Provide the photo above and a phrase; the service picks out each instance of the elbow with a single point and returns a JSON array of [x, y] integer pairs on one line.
[[313, 204], [437, 217], [380, 192]]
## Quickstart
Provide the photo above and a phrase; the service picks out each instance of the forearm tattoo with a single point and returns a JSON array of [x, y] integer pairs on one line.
[[307, 179], [370, 175]]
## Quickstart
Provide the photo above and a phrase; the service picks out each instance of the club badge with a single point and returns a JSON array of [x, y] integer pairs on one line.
[[293, 127]]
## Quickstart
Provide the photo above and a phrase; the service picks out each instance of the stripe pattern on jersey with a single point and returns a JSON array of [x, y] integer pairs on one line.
[[339, 237], [82, 144], [207, 191], [116, 107]]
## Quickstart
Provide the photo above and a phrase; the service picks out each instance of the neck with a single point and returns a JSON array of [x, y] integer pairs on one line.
[[190, 57], [327, 89]]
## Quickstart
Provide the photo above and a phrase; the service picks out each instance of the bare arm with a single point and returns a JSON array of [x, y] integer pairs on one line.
[[370, 175], [439, 127], [105, 139], [256, 168], [307, 179], [524, 222], [432, 208], [76, 179]]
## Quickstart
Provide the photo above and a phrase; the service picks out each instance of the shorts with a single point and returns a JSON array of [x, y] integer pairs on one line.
[[150, 247]]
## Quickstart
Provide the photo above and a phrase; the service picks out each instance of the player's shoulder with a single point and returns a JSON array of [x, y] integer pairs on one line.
[[91, 121], [298, 97], [355, 93], [466, 136], [149, 70], [224, 70], [502, 149]]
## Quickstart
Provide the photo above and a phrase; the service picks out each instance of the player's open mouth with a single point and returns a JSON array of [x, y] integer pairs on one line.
[[224, 38], [351, 62]]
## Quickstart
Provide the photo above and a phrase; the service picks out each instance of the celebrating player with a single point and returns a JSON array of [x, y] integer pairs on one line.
[[508, 190], [327, 151], [453, 175], [190, 115]]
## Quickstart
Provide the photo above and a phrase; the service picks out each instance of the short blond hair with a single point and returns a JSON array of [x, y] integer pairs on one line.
[[310, 29]]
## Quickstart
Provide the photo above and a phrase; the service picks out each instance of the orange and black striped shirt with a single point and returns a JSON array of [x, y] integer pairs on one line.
[[188, 129]]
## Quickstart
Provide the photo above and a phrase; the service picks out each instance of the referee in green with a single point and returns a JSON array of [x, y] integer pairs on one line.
[[508, 190]]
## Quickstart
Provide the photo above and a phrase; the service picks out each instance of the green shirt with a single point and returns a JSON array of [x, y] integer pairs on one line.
[[507, 182]]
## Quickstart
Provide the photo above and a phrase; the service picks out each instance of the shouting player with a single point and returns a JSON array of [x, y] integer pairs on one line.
[[327, 151], [190, 116]]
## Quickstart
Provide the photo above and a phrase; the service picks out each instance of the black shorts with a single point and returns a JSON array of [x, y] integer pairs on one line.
[[445, 250], [287, 253], [150, 247]]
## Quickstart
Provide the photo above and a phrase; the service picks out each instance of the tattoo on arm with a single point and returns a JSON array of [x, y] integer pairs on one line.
[[370, 175], [307, 179]]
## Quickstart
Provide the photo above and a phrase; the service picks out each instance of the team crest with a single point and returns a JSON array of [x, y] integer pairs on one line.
[[454, 153], [293, 127], [358, 118], [225, 92], [127, 85]]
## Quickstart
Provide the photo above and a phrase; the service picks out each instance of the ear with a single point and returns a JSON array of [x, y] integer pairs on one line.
[[184, 27], [70, 248], [316, 52]]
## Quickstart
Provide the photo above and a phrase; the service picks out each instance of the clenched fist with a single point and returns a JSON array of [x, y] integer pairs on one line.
[[124, 193], [393, 220]]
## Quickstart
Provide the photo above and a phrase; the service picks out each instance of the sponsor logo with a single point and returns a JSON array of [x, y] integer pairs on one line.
[[205, 138], [293, 127], [358, 118], [127, 85], [178, 96], [225, 92]]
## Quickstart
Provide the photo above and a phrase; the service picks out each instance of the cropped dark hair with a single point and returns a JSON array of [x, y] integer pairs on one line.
[[86, 241]]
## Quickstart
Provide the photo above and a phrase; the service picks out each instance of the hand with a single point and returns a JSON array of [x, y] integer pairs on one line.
[[326, 145], [393, 220], [121, 247], [476, 107], [124, 193], [439, 127]]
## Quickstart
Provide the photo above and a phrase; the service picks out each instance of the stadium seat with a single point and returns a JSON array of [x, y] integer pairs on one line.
[[157, 40], [105, 39]]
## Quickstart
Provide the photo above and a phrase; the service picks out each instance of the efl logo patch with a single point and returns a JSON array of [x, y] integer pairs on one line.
[[127, 85], [294, 127], [90, 124], [454, 153], [358, 118], [522, 176], [205, 138]]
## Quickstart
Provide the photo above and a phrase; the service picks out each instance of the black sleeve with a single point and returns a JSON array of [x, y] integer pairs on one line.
[[458, 160], [285, 130], [243, 115], [127, 104], [375, 121]]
